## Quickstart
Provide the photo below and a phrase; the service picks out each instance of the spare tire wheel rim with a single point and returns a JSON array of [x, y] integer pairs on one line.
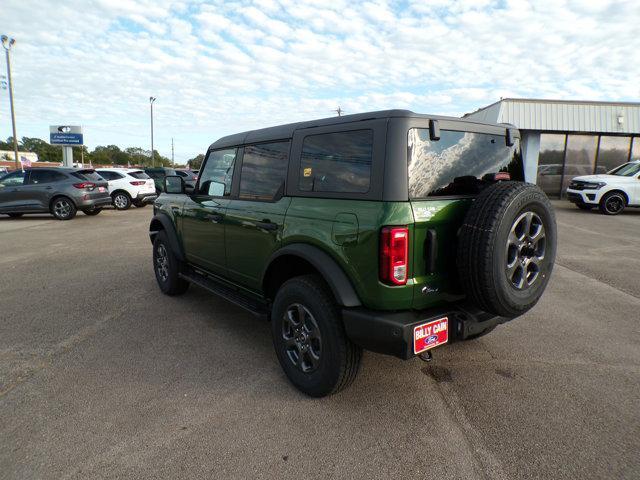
[[302, 339], [526, 245]]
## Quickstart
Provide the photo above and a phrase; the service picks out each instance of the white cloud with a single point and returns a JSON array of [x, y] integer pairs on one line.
[[227, 66]]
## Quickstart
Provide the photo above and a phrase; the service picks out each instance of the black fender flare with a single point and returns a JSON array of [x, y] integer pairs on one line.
[[161, 221], [332, 273]]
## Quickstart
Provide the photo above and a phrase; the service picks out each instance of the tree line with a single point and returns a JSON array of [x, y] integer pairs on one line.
[[101, 155]]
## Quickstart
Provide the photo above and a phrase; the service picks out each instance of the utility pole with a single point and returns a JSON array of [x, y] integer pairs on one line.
[[7, 43], [173, 163], [151, 100]]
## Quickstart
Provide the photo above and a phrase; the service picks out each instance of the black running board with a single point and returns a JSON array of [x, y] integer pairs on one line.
[[255, 306]]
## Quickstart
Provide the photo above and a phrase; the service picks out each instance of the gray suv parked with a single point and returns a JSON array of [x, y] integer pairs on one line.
[[59, 191]]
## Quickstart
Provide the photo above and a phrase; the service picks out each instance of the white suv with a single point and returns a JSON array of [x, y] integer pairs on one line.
[[127, 186], [611, 192]]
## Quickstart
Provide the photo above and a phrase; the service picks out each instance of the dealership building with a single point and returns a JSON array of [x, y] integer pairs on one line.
[[562, 139]]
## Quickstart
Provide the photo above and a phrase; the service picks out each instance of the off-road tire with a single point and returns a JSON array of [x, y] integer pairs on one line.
[[63, 208], [339, 358], [484, 248], [91, 211], [613, 198], [167, 267]]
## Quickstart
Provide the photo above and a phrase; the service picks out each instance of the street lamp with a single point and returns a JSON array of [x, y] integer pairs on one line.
[[151, 100], [7, 43]]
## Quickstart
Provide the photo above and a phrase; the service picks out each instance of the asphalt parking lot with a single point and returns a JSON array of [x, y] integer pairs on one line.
[[101, 376]]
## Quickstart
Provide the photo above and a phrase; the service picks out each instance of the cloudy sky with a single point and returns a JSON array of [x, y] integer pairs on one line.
[[224, 66]]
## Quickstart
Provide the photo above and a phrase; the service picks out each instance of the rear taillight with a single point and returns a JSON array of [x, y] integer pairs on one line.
[[394, 255], [142, 182], [88, 185]]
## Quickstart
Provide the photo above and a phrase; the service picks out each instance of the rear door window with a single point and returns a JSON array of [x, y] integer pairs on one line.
[[217, 174], [45, 176], [264, 168], [337, 162], [460, 163]]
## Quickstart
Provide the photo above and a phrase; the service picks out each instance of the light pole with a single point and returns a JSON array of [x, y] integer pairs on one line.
[[151, 100], [7, 43]]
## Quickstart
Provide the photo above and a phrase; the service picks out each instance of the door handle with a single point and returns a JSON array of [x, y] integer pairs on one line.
[[215, 217], [269, 226]]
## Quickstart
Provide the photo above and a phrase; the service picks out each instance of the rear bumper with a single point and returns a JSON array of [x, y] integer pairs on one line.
[[391, 333], [145, 197], [93, 202]]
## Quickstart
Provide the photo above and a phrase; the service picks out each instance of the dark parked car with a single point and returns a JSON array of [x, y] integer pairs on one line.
[[389, 231], [59, 191], [190, 178], [158, 174]]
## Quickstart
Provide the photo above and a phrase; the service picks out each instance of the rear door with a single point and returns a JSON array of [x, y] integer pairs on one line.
[[254, 220], [203, 214], [444, 177], [40, 187]]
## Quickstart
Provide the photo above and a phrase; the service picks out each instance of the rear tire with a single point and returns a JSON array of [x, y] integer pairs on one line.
[[507, 248], [91, 212], [63, 208], [613, 203], [121, 200], [167, 267], [309, 338], [139, 204]]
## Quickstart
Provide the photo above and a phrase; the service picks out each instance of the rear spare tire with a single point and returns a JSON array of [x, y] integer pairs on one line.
[[507, 248]]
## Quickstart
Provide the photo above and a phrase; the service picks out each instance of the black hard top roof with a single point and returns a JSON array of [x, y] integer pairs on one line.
[[281, 132]]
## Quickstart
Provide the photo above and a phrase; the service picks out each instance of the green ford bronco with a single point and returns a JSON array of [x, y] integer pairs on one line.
[[388, 231]]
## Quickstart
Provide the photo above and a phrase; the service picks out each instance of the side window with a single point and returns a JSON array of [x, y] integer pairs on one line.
[[216, 176], [337, 162], [13, 179], [264, 168], [104, 174], [45, 176]]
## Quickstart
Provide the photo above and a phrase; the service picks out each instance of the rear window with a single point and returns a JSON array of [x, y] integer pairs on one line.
[[140, 175], [460, 163], [89, 175], [337, 162]]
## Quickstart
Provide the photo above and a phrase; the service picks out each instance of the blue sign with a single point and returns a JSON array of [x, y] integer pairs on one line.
[[65, 138]]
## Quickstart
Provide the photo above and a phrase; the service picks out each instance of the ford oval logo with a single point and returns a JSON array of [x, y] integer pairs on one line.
[[431, 339]]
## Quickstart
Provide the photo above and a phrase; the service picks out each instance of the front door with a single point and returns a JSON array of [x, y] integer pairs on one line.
[[203, 215], [11, 187], [255, 219]]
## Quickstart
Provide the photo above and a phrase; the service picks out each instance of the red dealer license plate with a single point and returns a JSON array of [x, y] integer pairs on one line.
[[430, 335]]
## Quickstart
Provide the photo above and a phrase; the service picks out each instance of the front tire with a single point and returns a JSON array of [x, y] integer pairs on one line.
[[613, 203], [167, 267], [309, 338], [121, 201], [63, 208]]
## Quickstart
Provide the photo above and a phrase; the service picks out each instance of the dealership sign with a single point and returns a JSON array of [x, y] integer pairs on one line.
[[67, 135]]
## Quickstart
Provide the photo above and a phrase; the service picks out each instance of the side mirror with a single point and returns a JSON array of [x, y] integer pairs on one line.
[[173, 184], [434, 130]]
